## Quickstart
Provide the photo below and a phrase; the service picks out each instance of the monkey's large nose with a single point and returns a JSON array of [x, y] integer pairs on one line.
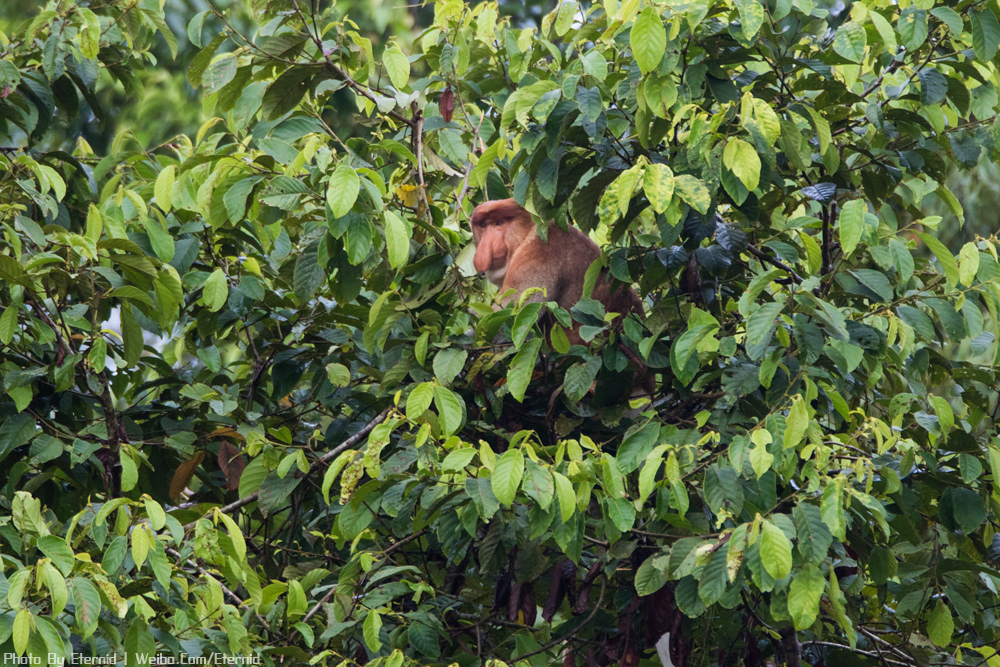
[[481, 262]]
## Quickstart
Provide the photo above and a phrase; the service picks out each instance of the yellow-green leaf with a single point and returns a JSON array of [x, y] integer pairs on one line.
[[164, 187], [968, 263], [948, 263], [852, 224], [343, 190], [397, 65], [940, 625], [850, 41], [804, 595], [775, 551], [648, 40], [658, 184], [397, 240], [216, 290], [741, 158]]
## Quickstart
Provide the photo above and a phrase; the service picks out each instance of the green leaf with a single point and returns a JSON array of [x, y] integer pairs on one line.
[[912, 27], [760, 326], [621, 511], [796, 423], [565, 16], [566, 496], [875, 281], [56, 585], [693, 192], [521, 368], [524, 322], [742, 159], [942, 409], [372, 626], [985, 33], [850, 41], [851, 224], [940, 625], [625, 187], [142, 540], [648, 40], [458, 459], [90, 34], [647, 476], [538, 484], [651, 575], [902, 260], [637, 445], [297, 600], [775, 550], [160, 239], [164, 186], [219, 72], [87, 604], [507, 475], [579, 378], [343, 190], [131, 335], [804, 595], [948, 263], [451, 409], [259, 471], [831, 508], [140, 647], [714, 577], [56, 549], [201, 60], [968, 265], [760, 458], [448, 363], [8, 324], [968, 509], [397, 240], [658, 185], [215, 291], [885, 31], [933, 86], [23, 623], [951, 18], [482, 495], [814, 538], [235, 536], [397, 65], [751, 17], [308, 275], [590, 102]]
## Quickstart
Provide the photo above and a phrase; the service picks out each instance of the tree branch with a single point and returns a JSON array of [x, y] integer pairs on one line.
[[764, 257], [326, 458]]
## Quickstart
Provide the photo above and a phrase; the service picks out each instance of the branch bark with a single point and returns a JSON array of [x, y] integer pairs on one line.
[[764, 257]]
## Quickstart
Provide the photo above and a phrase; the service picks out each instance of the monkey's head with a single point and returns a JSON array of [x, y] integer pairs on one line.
[[498, 228]]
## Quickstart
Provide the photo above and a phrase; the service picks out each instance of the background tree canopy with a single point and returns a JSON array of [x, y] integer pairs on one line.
[[254, 402]]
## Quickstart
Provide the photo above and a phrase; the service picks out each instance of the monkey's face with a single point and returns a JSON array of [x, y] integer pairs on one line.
[[493, 223]]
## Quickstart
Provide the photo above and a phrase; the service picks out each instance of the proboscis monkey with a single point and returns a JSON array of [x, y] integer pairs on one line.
[[511, 255]]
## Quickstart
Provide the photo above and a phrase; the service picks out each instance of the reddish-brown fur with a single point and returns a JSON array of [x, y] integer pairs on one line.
[[512, 256]]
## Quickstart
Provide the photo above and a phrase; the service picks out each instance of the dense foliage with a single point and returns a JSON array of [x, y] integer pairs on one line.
[[254, 402]]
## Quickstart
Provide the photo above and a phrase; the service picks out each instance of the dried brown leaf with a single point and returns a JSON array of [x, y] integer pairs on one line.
[[232, 463], [182, 476]]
